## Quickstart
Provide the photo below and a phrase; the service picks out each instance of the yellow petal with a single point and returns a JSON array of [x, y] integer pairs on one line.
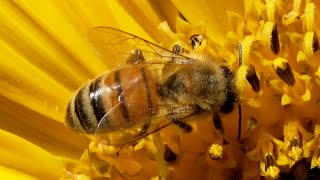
[[10, 173], [22, 155]]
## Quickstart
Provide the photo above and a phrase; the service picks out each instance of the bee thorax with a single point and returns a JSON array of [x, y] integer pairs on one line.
[[200, 84]]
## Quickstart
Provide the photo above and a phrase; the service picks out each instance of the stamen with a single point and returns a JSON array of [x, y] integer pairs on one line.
[[295, 153], [275, 45], [196, 40], [295, 142], [269, 161], [273, 172], [169, 155], [246, 49], [315, 43], [315, 160], [270, 5], [296, 5], [311, 43], [284, 71], [270, 36], [310, 14], [253, 79], [271, 168], [318, 158]]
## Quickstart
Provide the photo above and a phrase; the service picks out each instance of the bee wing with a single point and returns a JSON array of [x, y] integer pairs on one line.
[[128, 135], [139, 131], [116, 46]]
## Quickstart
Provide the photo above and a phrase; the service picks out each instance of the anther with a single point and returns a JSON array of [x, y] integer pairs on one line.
[[169, 155], [311, 43], [295, 142], [284, 71], [269, 161], [196, 40], [253, 79], [275, 45], [315, 43], [270, 36], [271, 168]]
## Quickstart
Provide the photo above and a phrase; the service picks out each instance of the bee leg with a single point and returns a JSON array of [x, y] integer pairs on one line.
[[186, 127], [136, 58], [218, 125], [145, 127]]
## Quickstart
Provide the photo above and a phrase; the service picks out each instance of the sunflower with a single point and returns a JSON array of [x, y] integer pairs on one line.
[[46, 56]]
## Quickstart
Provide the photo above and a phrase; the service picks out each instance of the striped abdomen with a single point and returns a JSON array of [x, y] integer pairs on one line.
[[120, 99]]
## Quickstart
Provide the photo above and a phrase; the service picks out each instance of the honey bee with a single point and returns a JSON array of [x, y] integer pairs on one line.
[[156, 88]]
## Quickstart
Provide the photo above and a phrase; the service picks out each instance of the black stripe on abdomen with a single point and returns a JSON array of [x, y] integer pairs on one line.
[[80, 111], [95, 95], [123, 106], [73, 122]]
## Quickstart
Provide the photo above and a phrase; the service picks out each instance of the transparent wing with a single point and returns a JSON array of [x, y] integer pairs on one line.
[[148, 126], [116, 46]]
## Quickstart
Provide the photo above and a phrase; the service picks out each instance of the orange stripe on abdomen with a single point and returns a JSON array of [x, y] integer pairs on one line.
[[127, 98]]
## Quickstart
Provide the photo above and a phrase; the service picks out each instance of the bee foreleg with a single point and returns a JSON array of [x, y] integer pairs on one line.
[[186, 127]]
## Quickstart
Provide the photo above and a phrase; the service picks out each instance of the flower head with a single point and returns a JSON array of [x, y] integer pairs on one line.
[[270, 46]]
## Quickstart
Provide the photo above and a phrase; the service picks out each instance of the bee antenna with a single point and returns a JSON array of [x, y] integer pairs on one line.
[[239, 122]]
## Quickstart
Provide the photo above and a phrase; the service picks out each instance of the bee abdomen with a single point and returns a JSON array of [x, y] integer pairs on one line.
[[83, 110], [120, 99]]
